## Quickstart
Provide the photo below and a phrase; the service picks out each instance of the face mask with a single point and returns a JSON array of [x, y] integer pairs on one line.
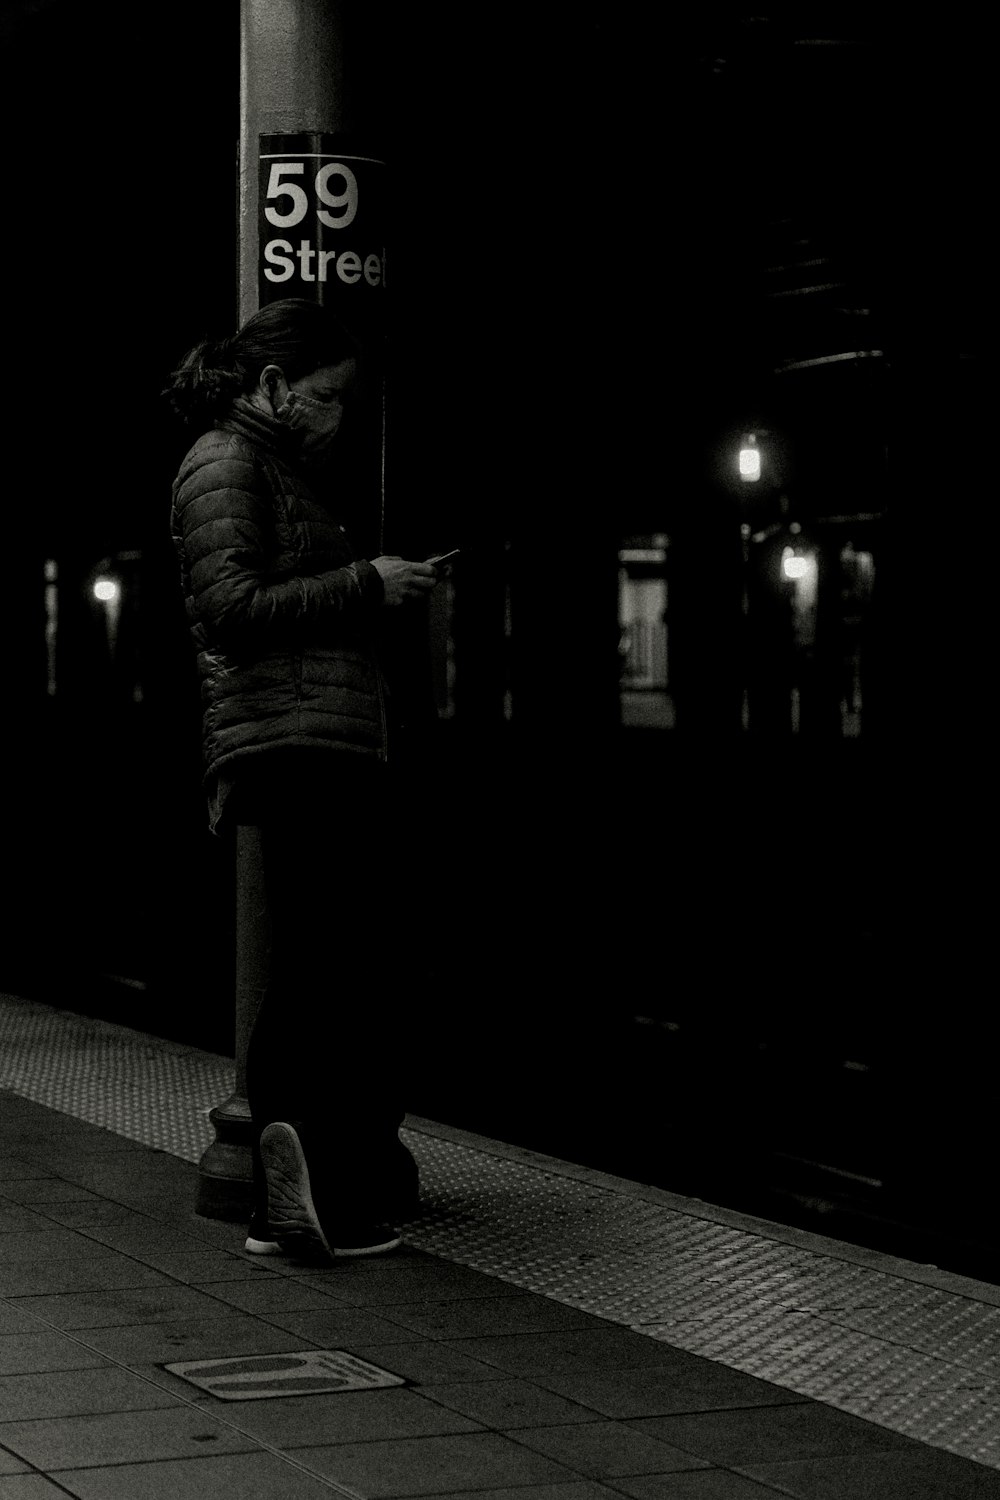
[[315, 423]]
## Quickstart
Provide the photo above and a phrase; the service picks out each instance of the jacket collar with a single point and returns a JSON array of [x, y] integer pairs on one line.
[[260, 427]]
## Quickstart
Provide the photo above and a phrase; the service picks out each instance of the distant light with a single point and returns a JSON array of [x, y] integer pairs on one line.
[[750, 459], [801, 566], [107, 590]]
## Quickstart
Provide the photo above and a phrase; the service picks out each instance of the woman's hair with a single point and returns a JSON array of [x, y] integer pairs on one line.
[[296, 335]]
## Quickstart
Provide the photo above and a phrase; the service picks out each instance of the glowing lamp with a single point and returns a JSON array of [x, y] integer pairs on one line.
[[750, 459], [795, 567], [106, 590]]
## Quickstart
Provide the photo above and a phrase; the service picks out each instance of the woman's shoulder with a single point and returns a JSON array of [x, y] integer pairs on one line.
[[218, 441], [231, 452]]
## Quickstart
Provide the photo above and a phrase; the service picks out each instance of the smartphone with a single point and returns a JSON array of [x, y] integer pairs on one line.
[[443, 557]]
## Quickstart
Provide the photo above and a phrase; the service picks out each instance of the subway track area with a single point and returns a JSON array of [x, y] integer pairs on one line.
[[547, 1330]]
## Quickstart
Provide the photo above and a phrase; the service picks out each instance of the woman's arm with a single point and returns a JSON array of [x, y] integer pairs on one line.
[[223, 521]]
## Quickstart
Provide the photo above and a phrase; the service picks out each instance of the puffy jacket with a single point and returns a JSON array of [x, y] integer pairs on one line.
[[281, 611]]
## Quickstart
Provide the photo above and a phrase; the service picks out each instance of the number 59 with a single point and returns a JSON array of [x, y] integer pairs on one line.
[[346, 202]]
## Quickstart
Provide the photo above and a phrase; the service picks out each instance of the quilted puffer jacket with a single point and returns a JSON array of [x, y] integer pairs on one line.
[[281, 611]]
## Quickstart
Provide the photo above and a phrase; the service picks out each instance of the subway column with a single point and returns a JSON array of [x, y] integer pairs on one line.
[[311, 224]]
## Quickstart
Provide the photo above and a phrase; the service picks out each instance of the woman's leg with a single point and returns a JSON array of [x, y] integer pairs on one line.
[[324, 1054]]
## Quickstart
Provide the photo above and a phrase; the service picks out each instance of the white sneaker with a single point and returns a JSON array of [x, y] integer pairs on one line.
[[291, 1212], [260, 1240]]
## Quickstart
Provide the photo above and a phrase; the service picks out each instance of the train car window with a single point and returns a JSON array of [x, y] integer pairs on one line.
[[643, 640]]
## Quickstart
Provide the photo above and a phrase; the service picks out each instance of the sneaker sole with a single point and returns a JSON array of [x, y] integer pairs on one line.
[[290, 1209], [346, 1252], [262, 1247]]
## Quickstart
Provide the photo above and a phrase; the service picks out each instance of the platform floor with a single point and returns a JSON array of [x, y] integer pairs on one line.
[[562, 1335]]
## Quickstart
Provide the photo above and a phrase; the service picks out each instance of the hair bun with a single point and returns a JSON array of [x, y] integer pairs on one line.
[[206, 382], [217, 354]]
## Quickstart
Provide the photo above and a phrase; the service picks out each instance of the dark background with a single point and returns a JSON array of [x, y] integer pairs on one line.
[[607, 225]]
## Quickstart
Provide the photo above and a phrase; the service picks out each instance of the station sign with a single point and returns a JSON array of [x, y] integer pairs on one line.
[[322, 225]]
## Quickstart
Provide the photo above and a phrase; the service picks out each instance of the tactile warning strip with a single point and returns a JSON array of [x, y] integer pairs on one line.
[[916, 1358], [139, 1086], [899, 1344]]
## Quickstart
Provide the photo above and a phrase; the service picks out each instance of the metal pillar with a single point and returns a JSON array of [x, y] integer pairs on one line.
[[295, 56], [225, 1173], [294, 63]]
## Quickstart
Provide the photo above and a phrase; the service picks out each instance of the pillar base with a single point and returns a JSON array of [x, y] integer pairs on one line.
[[225, 1185]]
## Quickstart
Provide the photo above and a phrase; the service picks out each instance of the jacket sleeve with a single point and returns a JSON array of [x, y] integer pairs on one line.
[[224, 529]]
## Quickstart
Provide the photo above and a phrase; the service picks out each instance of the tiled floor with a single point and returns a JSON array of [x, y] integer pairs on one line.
[[106, 1275]]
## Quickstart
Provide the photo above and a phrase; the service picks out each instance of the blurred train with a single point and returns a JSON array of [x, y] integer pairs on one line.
[[664, 945]]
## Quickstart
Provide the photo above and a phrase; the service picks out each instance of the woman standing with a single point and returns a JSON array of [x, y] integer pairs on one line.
[[285, 618]]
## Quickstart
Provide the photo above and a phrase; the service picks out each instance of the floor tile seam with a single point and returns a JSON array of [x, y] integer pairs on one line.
[[573, 1473], [112, 1253], [228, 1310], [109, 1245], [166, 1222], [33, 1472], [698, 1465], [956, 1387], [905, 1442], [939, 1440], [257, 1443], [728, 1465], [592, 1414], [336, 1486], [180, 1400], [578, 1474], [745, 1469], [101, 1163], [834, 1401], [84, 1164], [396, 1331], [196, 1242]]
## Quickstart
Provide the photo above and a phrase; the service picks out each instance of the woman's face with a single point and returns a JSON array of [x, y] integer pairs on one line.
[[313, 406]]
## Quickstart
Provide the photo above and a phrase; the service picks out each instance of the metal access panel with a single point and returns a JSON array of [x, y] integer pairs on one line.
[[306, 1372]]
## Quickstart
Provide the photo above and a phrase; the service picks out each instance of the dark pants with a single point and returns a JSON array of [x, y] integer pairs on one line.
[[325, 1053]]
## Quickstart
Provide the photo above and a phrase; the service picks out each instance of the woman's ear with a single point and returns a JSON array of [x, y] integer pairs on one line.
[[273, 386]]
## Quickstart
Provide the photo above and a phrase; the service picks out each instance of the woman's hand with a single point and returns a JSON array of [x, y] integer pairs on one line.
[[404, 581]]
